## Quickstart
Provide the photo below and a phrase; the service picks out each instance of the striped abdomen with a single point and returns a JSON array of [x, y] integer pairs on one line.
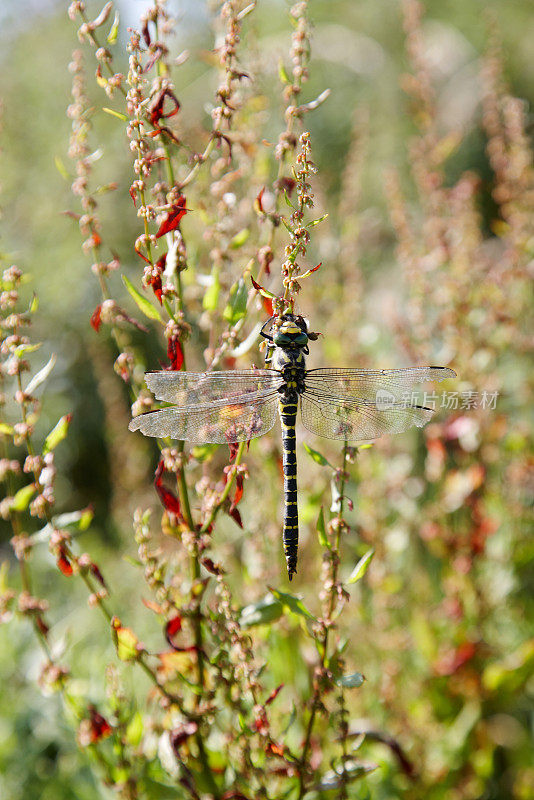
[[288, 416]]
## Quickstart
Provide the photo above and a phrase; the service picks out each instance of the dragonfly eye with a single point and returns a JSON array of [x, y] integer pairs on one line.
[[290, 338]]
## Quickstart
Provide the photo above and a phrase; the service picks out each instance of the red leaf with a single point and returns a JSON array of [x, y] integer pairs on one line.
[[258, 204], [139, 253], [171, 222], [156, 107], [154, 279], [96, 318], [133, 196], [212, 567], [174, 353], [173, 627], [64, 564], [286, 183], [236, 516], [267, 304], [238, 491], [98, 575], [451, 661], [146, 34], [168, 498], [41, 624], [100, 727], [276, 749], [274, 694], [233, 450]]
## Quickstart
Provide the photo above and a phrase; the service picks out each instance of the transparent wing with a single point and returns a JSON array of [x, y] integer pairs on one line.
[[373, 384], [218, 424], [358, 404], [191, 389], [353, 420]]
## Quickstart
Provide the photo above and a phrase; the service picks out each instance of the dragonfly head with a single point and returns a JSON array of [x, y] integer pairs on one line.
[[290, 332]]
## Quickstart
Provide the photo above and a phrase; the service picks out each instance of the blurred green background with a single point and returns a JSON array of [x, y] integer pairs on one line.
[[358, 52]]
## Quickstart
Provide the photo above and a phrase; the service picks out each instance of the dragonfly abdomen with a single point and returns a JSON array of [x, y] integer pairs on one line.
[[288, 417]]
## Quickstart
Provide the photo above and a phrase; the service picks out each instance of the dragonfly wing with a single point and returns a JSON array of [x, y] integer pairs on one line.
[[186, 389], [217, 424], [357, 420], [373, 384]]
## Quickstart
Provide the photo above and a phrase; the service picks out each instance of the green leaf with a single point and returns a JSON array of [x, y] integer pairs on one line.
[[341, 775], [57, 434], [352, 681], [24, 349], [211, 296], [62, 169], [78, 519], [239, 239], [22, 498], [81, 519], [321, 530], [292, 603], [114, 30], [134, 731], [318, 457], [41, 376], [126, 644], [315, 222], [34, 304], [237, 303], [361, 567], [290, 204], [282, 73], [114, 113], [141, 302], [133, 561], [266, 610], [6, 430]]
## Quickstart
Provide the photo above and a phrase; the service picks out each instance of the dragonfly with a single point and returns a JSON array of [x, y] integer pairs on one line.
[[225, 407]]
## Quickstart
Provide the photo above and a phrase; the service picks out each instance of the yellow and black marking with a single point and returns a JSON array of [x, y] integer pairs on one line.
[[286, 354], [288, 417]]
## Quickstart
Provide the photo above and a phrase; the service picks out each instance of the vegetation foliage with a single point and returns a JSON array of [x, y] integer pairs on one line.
[[151, 645]]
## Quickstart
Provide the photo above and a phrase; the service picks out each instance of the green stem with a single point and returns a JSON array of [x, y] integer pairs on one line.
[[323, 643]]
